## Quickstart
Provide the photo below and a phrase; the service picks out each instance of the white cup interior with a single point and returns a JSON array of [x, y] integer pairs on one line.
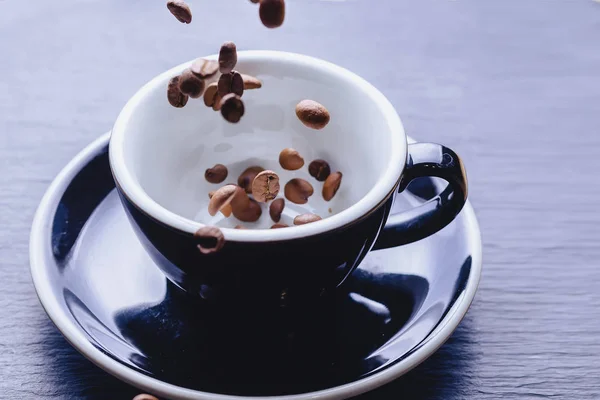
[[159, 153]]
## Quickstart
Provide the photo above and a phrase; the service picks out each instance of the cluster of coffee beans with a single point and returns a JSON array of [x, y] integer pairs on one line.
[[271, 12], [224, 94]]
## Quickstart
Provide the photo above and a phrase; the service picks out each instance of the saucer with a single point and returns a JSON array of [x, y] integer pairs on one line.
[[114, 305]]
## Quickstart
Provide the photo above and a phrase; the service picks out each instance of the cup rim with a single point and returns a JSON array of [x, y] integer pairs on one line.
[[380, 191]]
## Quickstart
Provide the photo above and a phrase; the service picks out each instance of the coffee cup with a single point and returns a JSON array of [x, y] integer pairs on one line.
[[158, 155]]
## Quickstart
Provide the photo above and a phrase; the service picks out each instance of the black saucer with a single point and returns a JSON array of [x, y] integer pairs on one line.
[[99, 287]]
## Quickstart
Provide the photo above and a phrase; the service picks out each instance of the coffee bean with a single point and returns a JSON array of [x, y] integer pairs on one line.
[[216, 174], [210, 94], [298, 191], [209, 239], [176, 98], [190, 84], [319, 169], [221, 198], [217, 105], [204, 69], [272, 13], [255, 1], [331, 185], [226, 210], [231, 83], [211, 194], [145, 396], [279, 226], [247, 177], [232, 108], [276, 208], [251, 82], [312, 114], [240, 227], [265, 186], [290, 159], [250, 213], [227, 57], [180, 10], [306, 219]]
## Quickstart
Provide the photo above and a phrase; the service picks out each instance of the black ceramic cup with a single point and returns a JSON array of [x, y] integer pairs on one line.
[[158, 155]]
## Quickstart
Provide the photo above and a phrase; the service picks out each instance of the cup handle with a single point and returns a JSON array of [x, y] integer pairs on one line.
[[427, 160]]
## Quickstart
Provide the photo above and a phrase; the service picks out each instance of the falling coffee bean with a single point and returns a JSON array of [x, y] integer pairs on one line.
[[331, 185], [272, 12], [319, 169], [217, 104], [221, 198], [227, 57], [306, 219], [312, 114], [255, 1], [190, 84], [204, 68], [290, 159], [226, 210], [251, 82], [210, 94], [180, 10], [247, 177], [250, 213], [209, 239], [176, 98], [276, 208], [298, 191], [232, 108], [231, 83], [279, 226], [265, 186], [216, 174]]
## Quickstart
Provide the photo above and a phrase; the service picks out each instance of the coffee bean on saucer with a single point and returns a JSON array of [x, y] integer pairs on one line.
[[251, 82], [298, 191], [276, 208], [204, 69], [306, 219], [247, 177], [231, 83], [216, 174], [209, 239], [290, 159], [272, 12], [265, 186], [312, 114], [227, 57], [279, 226], [221, 198], [180, 10], [145, 396], [319, 169], [232, 108], [331, 185], [190, 84], [210, 95], [176, 98]]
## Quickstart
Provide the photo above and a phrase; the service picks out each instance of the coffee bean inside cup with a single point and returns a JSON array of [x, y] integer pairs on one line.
[[247, 177], [279, 226], [312, 114], [298, 191], [290, 159], [180, 10], [209, 239], [331, 185], [227, 57], [319, 169], [176, 98], [272, 12], [221, 198], [276, 208], [232, 108], [216, 174], [250, 213], [190, 84], [306, 219], [251, 82], [265, 186], [204, 69]]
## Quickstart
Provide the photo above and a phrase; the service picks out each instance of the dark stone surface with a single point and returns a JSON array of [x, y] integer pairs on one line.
[[513, 86]]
